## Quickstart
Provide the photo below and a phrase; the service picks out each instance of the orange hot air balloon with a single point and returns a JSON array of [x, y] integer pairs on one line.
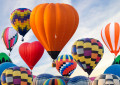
[[53, 25], [111, 37]]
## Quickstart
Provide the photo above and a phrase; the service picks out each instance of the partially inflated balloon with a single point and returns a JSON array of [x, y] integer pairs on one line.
[[20, 20], [31, 53], [9, 37], [65, 65], [79, 80], [106, 79], [53, 25], [66, 79], [4, 66], [16, 76], [4, 58], [87, 52], [113, 69], [40, 79], [54, 81], [111, 37]]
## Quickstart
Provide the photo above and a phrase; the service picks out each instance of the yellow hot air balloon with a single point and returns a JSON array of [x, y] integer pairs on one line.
[[20, 20], [16, 76], [87, 52]]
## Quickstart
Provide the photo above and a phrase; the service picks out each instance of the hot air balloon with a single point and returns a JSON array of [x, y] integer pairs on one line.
[[40, 79], [106, 79], [87, 52], [4, 58], [79, 80], [31, 53], [9, 37], [66, 79], [53, 25], [54, 81], [113, 69], [117, 60], [65, 65], [4, 66], [111, 37], [16, 76], [20, 20]]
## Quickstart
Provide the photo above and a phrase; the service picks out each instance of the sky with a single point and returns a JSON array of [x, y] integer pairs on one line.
[[93, 16]]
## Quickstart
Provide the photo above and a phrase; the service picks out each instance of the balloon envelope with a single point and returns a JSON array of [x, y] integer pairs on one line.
[[4, 58], [31, 53], [9, 37], [87, 52], [117, 60], [16, 76], [53, 25], [111, 37], [54, 81], [65, 65], [63, 78], [20, 20], [113, 69], [40, 79], [79, 80], [106, 79], [4, 66]]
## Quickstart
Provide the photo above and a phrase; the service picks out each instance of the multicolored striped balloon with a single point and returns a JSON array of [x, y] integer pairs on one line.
[[20, 20], [4, 66], [65, 65], [110, 35], [9, 37], [66, 79], [87, 52], [40, 79], [16, 76], [54, 81]]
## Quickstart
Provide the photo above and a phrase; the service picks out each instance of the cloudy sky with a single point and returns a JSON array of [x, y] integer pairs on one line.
[[93, 15]]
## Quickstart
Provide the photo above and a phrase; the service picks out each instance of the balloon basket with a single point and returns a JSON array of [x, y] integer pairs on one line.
[[22, 39], [53, 64]]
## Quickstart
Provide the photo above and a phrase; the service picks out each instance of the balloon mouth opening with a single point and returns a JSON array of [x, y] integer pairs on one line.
[[31, 67], [115, 52]]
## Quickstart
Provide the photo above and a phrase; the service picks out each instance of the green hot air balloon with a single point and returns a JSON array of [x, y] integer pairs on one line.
[[117, 60], [4, 58]]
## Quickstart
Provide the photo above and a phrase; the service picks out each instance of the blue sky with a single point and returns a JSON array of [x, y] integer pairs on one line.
[[93, 15]]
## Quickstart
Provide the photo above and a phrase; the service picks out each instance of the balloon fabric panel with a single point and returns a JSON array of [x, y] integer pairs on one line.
[[54, 82]]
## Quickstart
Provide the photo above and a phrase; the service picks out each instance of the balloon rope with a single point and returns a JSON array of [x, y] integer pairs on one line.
[[88, 75], [22, 38], [9, 53]]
